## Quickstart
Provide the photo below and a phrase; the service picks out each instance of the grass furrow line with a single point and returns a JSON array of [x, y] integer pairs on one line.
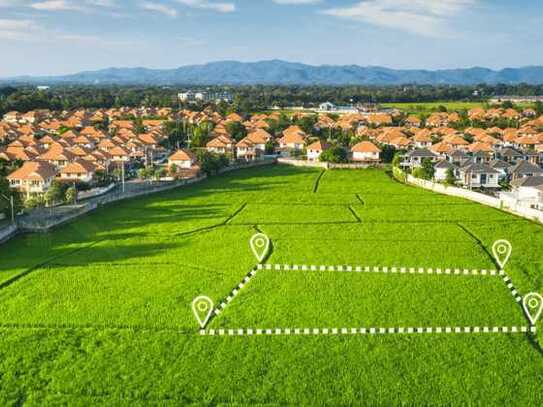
[[317, 182], [28, 271]]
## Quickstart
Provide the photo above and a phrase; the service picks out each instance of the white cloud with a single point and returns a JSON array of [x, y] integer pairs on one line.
[[103, 3], [423, 17], [296, 2], [16, 30], [160, 8], [209, 5], [57, 5]]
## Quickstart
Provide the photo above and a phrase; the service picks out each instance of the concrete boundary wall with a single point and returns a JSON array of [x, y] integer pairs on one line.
[[326, 165], [44, 225], [528, 213], [7, 233]]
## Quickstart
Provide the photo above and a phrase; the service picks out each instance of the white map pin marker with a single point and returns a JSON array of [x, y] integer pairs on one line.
[[502, 252], [202, 307], [533, 306], [260, 244]]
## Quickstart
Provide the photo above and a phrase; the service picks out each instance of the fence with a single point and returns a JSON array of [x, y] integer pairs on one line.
[[44, 219], [7, 232], [528, 213], [326, 165]]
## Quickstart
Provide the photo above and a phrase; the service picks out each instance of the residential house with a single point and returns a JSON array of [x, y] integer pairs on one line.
[[79, 170], [441, 169], [58, 155], [222, 144], [34, 177], [246, 150], [184, 159], [527, 191], [293, 139], [315, 150], [413, 159], [366, 151], [525, 169], [479, 175], [502, 167]]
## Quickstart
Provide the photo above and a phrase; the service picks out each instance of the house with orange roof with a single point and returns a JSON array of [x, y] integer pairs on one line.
[[379, 119], [246, 150], [78, 170], [413, 121], [234, 117], [366, 152], [400, 143], [422, 139], [293, 139], [34, 177], [477, 114], [315, 150], [182, 159], [260, 138], [437, 120], [222, 144], [119, 154], [12, 117], [58, 156]]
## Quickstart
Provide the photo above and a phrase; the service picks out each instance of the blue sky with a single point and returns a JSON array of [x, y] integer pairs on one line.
[[66, 36]]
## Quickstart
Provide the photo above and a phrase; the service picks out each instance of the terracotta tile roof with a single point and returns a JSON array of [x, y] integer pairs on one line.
[[318, 146], [365, 147], [34, 171], [182, 155]]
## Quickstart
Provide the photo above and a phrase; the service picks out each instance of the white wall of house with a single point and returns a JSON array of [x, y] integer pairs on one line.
[[359, 156], [313, 155], [481, 180], [83, 177], [440, 174], [181, 163]]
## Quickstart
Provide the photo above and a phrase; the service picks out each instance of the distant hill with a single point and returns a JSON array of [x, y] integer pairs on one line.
[[289, 73]]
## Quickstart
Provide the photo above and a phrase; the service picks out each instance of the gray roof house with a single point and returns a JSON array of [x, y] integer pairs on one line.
[[479, 175], [525, 169]]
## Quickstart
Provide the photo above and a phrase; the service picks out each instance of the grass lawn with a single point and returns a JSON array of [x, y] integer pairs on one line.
[[98, 312]]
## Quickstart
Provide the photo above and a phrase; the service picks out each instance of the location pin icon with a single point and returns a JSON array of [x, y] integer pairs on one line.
[[202, 307], [533, 306], [260, 244], [502, 252]]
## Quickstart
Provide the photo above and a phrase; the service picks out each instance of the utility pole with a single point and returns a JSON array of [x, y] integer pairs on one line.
[[122, 171]]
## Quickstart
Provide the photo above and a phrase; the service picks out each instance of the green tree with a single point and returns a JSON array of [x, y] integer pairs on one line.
[[397, 160], [55, 193], [427, 169], [211, 163], [450, 178], [334, 155], [236, 130], [71, 195]]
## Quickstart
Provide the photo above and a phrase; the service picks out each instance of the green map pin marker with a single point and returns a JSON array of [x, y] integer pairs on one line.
[[533, 306], [202, 307], [260, 244]]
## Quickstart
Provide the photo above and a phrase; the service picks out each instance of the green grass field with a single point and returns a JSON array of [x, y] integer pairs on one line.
[[430, 107], [98, 312]]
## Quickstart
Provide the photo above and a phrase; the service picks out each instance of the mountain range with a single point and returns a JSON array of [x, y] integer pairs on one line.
[[278, 72]]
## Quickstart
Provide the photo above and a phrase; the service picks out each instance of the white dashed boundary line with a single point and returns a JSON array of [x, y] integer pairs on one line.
[[509, 283], [368, 331], [377, 269], [224, 303]]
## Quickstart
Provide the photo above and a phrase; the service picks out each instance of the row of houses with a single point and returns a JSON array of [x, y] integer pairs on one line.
[[474, 171]]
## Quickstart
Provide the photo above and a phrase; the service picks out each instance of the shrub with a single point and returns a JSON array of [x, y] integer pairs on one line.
[[334, 155]]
